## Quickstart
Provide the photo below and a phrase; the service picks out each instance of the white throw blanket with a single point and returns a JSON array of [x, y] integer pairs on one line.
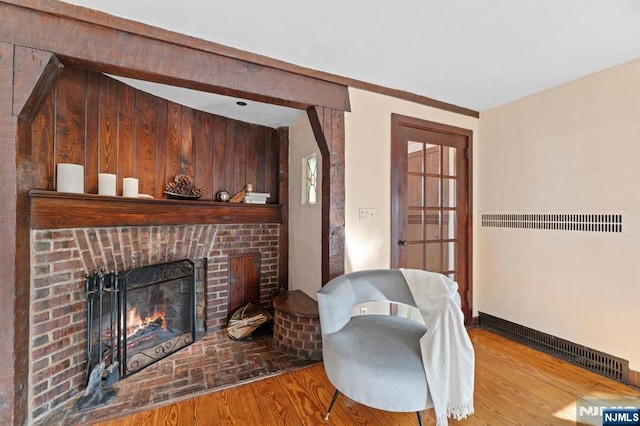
[[447, 353]]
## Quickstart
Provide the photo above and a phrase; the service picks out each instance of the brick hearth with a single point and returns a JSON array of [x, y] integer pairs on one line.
[[61, 258], [212, 363]]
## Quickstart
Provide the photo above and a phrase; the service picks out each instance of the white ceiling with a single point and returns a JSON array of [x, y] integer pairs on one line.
[[250, 112], [476, 54]]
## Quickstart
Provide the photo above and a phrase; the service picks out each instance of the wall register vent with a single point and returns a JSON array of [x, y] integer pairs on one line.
[[596, 361], [611, 223]]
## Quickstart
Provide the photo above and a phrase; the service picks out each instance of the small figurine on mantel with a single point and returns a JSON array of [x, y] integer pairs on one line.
[[223, 196], [238, 197]]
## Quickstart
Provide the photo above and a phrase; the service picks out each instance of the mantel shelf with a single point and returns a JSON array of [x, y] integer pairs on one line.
[[57, 210]]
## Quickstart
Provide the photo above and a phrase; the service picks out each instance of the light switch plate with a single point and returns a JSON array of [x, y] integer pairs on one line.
[[366, 214]]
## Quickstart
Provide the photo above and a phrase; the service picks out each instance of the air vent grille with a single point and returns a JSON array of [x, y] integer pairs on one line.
[[596, 361], [562, 221]]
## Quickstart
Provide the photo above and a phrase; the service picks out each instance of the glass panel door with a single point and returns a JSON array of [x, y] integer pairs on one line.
[[431, 207], [430, 189]]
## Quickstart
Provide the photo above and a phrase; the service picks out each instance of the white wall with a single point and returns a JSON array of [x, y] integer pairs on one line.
[[367, 184], [571, 149], [305, 221], [368, 172]]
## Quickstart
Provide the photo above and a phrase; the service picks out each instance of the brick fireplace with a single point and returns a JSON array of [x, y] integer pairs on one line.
[[61, 258], [51, 112]]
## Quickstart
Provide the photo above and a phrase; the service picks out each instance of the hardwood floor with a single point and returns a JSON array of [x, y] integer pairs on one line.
[[515, 385]]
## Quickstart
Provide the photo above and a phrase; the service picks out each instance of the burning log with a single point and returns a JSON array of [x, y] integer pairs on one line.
[[155, 330], [132, 343]]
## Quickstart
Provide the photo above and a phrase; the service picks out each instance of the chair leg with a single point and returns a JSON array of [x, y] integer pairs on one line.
[[420, 418], [333, 401]]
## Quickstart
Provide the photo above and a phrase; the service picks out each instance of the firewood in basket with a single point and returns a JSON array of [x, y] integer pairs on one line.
[[246, 320]]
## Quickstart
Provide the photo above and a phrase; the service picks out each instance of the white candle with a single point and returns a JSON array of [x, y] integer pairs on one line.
[[70, 178], [130, 187], [106, 184]]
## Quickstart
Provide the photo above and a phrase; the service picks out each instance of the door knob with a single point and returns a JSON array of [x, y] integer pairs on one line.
[[404, 243]]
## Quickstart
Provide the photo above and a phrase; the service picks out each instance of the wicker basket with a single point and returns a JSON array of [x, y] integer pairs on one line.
[[246, 320]]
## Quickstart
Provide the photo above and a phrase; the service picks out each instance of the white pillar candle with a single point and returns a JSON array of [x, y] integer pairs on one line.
[[130, 187], [70, 178], [106, 184]]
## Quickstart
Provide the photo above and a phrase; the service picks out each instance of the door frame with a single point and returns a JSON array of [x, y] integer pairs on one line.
[[398, 190]]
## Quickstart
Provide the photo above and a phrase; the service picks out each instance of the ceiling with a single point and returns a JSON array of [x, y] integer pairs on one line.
[[476, 54]]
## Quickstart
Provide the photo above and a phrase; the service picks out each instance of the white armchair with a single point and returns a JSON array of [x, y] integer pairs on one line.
[[371, 331]]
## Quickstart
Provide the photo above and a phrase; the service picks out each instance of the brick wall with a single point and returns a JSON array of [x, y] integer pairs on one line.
[[61, 258], [298, 335]]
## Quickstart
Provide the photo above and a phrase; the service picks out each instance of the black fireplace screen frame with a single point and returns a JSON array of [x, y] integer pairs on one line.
[[155, 338], [147, 276]]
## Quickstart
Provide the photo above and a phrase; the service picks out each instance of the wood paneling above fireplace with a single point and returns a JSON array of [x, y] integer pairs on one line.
[[94, 120]]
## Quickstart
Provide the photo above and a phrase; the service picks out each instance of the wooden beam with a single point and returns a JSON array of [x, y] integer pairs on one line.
[[35, 72], [283, 197], [94, 46], [105, 19], [328, 128], [14, 370]]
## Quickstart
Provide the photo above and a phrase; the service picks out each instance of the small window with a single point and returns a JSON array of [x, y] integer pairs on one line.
[[309, 179]]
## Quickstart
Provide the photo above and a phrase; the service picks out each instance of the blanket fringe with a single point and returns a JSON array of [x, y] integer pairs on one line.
[[458, 412]]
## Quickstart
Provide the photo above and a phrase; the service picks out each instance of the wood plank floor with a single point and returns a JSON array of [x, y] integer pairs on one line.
[[514, 385]]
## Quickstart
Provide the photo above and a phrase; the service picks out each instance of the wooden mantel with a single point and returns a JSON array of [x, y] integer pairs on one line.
[[57, 210]]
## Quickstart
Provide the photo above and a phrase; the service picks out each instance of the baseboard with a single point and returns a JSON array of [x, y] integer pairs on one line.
[[599, 362], [634, 378], [474, 323]]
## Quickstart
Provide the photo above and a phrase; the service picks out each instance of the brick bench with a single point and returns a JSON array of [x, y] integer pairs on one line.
[[296, 325]]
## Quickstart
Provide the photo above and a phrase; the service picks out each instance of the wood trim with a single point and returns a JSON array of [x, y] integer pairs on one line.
[[82, 40], [283, 196], [419, 123], [54, 210], [397, 123], [328, 128], [634, 378], [14, 251], [37, 71], [106, 20], [407, 96]]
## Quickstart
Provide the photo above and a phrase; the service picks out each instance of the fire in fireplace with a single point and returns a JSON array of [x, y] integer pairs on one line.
[[136, 318]]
